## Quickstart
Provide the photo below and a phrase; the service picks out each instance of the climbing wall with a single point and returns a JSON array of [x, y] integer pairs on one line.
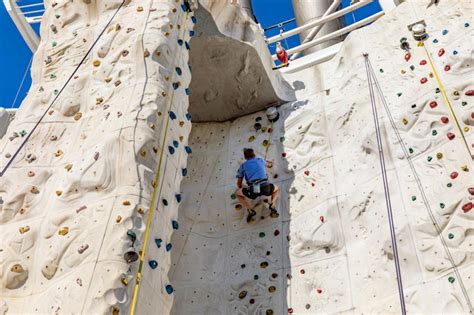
[[99, 143], [330, 251]]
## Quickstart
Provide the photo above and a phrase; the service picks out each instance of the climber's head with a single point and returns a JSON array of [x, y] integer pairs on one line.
[[249, 154]]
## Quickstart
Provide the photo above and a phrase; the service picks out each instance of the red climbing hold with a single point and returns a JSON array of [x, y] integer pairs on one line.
[[283, 154], [423, 80], [423, 62], [453, 175], [407, 56], [302, 271], [306, 173], [321, 218], [451, 135], [472, 115], [433, 104], [319, 290], [470, 93], [441, 52], [447, 68], [471, 190], [444, 120], [467, 207], [290, 310]]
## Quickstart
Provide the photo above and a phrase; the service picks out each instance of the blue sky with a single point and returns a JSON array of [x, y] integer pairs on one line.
[[15, 54]]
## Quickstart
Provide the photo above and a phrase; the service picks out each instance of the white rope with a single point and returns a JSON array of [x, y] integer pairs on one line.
[[22, 81]]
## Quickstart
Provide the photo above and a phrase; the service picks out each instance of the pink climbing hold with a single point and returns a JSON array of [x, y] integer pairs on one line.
[[453, 175], [407, 56], [451, 135], [433, 104], [423, 80], [444, 120], [321, 218], [447, 68], [441, 52], [423, 62], [467, 207], [469, 93], [319, 290]]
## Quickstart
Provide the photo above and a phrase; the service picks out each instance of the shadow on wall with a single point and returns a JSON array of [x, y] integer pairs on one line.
[[221, 264]]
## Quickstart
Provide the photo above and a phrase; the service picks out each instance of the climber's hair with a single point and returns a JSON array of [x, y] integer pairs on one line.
[[249, 154]]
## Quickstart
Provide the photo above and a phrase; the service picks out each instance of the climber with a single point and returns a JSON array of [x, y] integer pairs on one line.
[[282, 55], [255, 174]]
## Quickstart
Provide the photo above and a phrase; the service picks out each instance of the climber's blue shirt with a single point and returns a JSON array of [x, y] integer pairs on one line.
[[252, 170]]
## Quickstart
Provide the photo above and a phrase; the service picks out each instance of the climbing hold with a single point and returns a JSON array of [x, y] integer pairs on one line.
[[467, 207], [412, 67], [381, 70], [449, 185], [290, 310], [165, 202], [435, 41], [30, 174], [255, 277], [439, 155], [306, 172], [403, 71], [242, 266], [466, 24], [450, 236], [307, 306], [423, 62], [126, 203], [169, 289], [153, 264], [447, 68], [407, 56], [34, 190], [413, 198], [175, 85], [441, 52], [438, 90], [242, 294], [271, 289], [238, 207], [276, 233], [175, 143], [399, 94], [188, 116], [319, 290], [82, 248], [99, 100], [24, 229], [191, 33], [63, 231], [251, 138], [252, 301], [188, 149], [450, 135], [171, 149], [423, 80], [264, 264], [180, 42], [178, 197], [193, 19], [469, 93], [146, 53], [434, 132], [115, 310], [178, 70], [186, 44], [429, 158], [174, 224], [454, 175], [96, 63], [58, 153], [158, 242], [302, 271], [168, 247], [118, 219], [405, 121], [410, 150], [261, 234], [444, 120], [124, 281], [184, 171], [257, 126], [187, 91], [442, 205], [455, 52], [465, 168], [321, 218], [172, 115], [266, 143], [77, 116], [451, 279], [284, 154], [23, 133], [444, 32]]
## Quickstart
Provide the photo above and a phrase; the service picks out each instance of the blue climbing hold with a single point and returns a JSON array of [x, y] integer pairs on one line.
[[191, 33], [186, 44], [165, 202], [187, 91], [184, 171], [180, 42], [153, 264], [169, 289], [158, 242], [174, 224], [183, 7], [178, 198], [188, 150], [178, 71], [175, 85], [435, 40], [168, 247], [172, 115], [175, 144], [444, 32], [193, 18], [466, 24], [171, 149], [189, 116]]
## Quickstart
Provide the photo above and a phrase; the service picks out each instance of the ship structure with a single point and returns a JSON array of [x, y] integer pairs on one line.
[[118, 171]]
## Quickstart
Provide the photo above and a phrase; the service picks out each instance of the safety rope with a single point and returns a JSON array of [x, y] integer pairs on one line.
[[448, 103], [388, 201], [153, 200], [419, 184], [60, 92], [22, 82]]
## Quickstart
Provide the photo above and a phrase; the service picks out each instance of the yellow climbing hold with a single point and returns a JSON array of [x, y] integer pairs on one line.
[[405, 121], [152, 126], [24, 229], [63, 231], [139, 9], [146, 53], [118, 219], [126, 203], [167, 78], [466, 129], [465, 168], [403, 71], [17, 268], [181, 138], [115, 310], [68, 167], [124, 281], [58, 153], [143, 153], [96, 63], [99, 100], [34, 190], [163, 94], [421, 44], [439, 155], [77, 116], [181, 123], [58, 193], [158, 53], [140, 210], [266, 143], [251, 138]]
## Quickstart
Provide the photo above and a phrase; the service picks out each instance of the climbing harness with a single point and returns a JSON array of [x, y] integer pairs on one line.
[[153, 199], [60, 91], [448, 103], [439, 230], [386, 189]]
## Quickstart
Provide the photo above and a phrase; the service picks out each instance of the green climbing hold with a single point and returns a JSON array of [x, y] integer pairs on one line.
[[450, 236], [381, 70], [282, 139], [251, 138], [429, 158], [399, 94], [412, 67], [442, 205], [434, 132], [413, 198], [255, 277], [23, 133], [449, 185], [451, 279], [54, 44], [233, 196], [464, 103], [262, 234], [403, 39]]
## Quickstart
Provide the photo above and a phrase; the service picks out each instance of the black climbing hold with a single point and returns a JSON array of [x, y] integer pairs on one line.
[[257, 126], [188, 150], [438, 90], [180, 42], [255, 277], [168, 247], [190, 68], [242, 266], [178, 70], [268, 252], [158, 242], [274, 275], [258, 118], [435, 40], [174, 224], [153, 264], [184, 171], [175, 85], [165, 202], [178, 198], [171, 149], [169, 289], [269, 312], [175, 143], [172, 115], [466, 24]]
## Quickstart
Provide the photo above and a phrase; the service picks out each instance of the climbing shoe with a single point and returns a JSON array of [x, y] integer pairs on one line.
[[273, 212], [251, 214]]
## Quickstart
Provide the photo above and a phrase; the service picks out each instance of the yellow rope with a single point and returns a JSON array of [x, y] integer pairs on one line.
[[153, 199], [446, 99]]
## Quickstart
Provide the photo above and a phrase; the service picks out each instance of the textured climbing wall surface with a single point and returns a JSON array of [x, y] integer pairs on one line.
[[86, 175], [330, 251]]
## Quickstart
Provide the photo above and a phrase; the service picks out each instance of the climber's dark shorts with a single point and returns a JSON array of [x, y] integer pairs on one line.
[[266, 189]]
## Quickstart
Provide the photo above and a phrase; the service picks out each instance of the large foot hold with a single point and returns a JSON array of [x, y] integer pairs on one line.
[[251, 214]]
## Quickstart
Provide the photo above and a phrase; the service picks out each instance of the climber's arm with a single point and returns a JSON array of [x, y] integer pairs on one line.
[[239, 182]]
